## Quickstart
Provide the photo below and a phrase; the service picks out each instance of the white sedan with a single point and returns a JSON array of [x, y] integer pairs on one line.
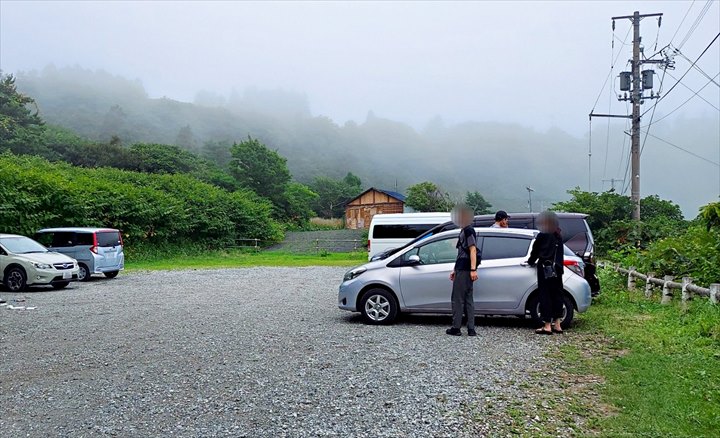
[[24, 262]]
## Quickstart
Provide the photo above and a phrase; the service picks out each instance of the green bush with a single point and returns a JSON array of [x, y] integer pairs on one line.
[[148, 208], [694, 253]]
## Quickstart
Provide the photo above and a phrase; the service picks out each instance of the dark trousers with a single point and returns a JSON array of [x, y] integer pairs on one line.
[[551, 290], [462, 300]]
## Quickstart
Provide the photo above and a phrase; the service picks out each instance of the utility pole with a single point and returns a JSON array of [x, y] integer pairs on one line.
[[613, 181], [530, 190], [636, 97]]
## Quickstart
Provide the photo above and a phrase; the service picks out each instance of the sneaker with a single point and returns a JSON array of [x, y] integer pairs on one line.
[[472, 332], [453, 332]]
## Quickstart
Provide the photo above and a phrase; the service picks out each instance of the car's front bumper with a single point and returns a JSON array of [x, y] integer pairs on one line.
[[51, 276], [348, 295]]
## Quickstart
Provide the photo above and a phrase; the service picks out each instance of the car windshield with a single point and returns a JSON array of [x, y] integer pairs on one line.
[[22, 245]]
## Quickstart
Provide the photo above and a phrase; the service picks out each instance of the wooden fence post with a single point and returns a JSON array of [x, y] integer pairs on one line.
[[649, 285], [631, 279], [686, 294], [715, 293], [666, 291]]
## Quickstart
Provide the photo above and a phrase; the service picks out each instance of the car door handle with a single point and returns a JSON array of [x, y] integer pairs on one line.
[[524, 264]]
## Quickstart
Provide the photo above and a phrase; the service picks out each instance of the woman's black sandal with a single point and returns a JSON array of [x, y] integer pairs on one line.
[[554, 330], [543, 332]]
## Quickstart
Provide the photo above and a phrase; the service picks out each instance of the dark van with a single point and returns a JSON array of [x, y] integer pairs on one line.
[[97, 250]]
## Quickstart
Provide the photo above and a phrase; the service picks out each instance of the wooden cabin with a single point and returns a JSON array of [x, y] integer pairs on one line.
[[360, 210]]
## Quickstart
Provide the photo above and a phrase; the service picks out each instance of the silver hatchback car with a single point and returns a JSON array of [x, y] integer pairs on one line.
[[416, 280]]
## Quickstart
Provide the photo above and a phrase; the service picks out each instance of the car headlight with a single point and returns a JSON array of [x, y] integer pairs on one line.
[[41, 265], [353, 273]]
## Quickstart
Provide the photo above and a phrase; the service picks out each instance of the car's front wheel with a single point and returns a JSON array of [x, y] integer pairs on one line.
[[83, 273], [567, 314], [15, 279], [112, 274], [60, 285], [378, 306]]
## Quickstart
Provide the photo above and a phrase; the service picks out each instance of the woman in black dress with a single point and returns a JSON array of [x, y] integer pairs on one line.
[[547, 256]]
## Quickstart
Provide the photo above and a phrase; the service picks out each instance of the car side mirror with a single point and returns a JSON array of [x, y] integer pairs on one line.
[[414, 260]]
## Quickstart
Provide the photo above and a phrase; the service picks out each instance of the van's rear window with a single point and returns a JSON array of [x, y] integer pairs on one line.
[[108, 238], [406, 231]]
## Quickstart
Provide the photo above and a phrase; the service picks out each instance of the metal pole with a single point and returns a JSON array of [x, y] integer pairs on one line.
[[635, 137]]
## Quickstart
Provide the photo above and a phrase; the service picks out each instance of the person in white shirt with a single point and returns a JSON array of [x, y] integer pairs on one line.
[[502, 220]]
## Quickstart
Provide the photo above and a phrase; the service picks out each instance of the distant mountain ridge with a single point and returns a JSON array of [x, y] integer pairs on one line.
[[498, 160]]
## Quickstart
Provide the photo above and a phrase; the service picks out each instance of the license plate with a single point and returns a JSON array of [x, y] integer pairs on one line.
[[67, 275]]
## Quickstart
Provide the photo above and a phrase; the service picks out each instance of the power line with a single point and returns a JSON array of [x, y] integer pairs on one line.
[[698, 95], [682, 104], [697, 67], [696, 23], [682, 21], [685, 74], [684, 150], [610, 72], [642, 148]]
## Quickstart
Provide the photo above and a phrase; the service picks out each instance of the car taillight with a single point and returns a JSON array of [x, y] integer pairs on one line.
[[574, 266], [93, 248], [368, 245]]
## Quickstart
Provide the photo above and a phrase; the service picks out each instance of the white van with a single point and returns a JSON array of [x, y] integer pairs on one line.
[[388, 231]]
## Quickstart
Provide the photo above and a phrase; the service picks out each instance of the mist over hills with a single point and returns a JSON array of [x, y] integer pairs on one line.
[[497, 159]]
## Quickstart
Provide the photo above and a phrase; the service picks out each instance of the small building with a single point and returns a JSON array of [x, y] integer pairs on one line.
[[360, 210]]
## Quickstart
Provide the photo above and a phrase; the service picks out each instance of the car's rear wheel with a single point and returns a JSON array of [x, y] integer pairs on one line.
[[15, 279], [567, 315], [60, 285], [378, 306], [83, 273], [112, 274]]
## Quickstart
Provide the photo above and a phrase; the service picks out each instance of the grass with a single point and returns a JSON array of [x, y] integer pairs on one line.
[[244, 258], [660, 364]]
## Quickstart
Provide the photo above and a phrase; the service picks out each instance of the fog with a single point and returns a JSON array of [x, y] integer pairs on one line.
[[503, 77]]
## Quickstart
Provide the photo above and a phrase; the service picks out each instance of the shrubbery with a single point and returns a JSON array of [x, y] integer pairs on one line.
[[148, 208]]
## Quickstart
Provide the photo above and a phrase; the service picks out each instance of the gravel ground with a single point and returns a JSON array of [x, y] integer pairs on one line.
[[248, 352]]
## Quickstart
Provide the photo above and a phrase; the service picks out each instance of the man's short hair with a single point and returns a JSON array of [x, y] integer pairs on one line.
[[501, 215]]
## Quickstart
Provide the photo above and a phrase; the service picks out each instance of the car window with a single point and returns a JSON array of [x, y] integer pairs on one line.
[[400, 231], [108, 238], [572, 228], [504, 247], [22, 245], [44, 239], [84, 239], [62, 239], [526, 223], [439, 251]]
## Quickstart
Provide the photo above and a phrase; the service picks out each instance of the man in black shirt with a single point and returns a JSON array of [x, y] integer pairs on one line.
[[464, 274]]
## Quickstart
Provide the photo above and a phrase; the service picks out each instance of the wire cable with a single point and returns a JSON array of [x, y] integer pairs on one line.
[[684, 150], [682, 21], [690, 89], [642, 148], [697, 67], [683, 104], [685, 74], [609, 73], [696, 23]]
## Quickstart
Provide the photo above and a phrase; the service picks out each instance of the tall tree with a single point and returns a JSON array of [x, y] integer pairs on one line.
[[477, 202], [18, 123], [333, 194], [260, 169], [186, 139], [427, 196]]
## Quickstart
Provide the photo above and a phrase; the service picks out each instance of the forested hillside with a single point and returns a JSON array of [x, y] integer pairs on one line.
[[496, 159]]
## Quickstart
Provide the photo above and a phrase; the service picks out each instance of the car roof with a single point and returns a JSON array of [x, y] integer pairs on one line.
[[527, 215], [10, 235], [484, 231], [76, 230]]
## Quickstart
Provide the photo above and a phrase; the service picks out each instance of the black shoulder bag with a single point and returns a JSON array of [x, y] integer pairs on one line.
[[550, 267]]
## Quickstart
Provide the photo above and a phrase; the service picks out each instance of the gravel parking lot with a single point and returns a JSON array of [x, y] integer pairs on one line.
[[247, 352]]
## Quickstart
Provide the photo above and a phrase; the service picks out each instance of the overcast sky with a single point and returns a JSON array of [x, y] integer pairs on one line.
[[535, 63]]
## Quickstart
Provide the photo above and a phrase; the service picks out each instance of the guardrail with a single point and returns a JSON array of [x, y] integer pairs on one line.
[[329, 244], [667, 283]]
